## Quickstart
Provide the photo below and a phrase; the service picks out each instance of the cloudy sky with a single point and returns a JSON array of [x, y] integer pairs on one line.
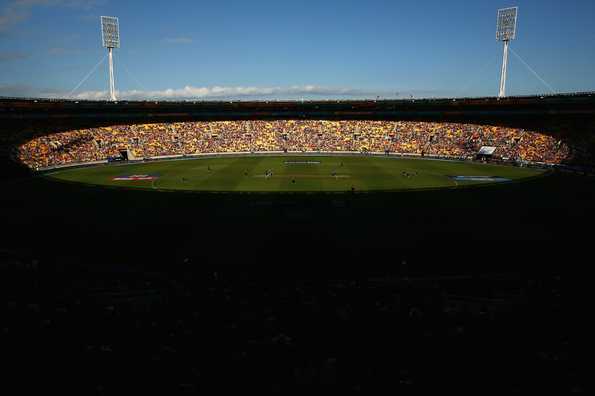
[[260, 49]]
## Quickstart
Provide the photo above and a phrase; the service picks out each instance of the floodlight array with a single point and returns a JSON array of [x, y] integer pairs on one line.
[[506, 29], [110, 32]]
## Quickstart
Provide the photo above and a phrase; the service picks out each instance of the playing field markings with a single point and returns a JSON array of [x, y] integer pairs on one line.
[[166, 172], [175, 171], [291, 176], [433, 169], [235, 173], [218, 173], [305, 176], [251, 180], [323, 172], [345, 177], [245, 172], [230, 174], [415, 176]]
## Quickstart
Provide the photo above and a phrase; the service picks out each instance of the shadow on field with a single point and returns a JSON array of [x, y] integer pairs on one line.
[[171, 292]]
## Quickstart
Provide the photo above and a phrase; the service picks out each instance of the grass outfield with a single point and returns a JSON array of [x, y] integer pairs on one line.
[[292, 173]]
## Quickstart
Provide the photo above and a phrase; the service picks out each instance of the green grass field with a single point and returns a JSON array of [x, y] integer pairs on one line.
[[292, 173]]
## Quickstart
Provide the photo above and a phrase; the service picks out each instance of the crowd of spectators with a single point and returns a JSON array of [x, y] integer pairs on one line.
[[189, 332], [187, 138]]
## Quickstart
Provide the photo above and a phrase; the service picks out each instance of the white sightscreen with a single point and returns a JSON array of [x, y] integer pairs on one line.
[[506, 23], [486, 150], [110, 32]]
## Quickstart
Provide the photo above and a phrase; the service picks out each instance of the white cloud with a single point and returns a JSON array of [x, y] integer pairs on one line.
[[190, 92], [227, 93]]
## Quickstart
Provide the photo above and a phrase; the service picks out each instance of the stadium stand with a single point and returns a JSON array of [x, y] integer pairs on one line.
[[405, 137], [196, 329], [553, 129]]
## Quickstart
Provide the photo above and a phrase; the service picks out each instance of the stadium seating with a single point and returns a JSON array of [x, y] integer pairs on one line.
[[450, 140], [184, 332]]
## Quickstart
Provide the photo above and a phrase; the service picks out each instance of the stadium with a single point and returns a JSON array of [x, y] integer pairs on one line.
[[411, 220], [294, 246]]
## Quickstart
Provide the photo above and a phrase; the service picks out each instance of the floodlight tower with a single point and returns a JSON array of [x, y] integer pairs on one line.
[[110, 35], [506, 31]]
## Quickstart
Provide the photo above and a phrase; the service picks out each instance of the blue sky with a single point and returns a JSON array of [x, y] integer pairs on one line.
[[293, 49]]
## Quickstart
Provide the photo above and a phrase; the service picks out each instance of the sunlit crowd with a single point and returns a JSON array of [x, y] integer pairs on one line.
[[187, 138]]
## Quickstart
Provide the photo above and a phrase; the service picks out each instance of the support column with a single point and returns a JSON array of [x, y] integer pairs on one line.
[[502, 92], [112, 85]]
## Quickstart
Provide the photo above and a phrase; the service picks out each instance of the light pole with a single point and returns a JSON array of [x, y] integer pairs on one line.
[[110, 35], [506, 31]]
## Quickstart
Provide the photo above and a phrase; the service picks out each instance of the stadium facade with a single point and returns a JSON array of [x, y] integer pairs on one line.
[[510, 109]]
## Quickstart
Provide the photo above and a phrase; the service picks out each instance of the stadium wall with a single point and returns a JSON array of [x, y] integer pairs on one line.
[[477, 108]]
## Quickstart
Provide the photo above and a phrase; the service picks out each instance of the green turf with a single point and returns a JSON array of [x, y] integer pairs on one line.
[[247, 174]]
